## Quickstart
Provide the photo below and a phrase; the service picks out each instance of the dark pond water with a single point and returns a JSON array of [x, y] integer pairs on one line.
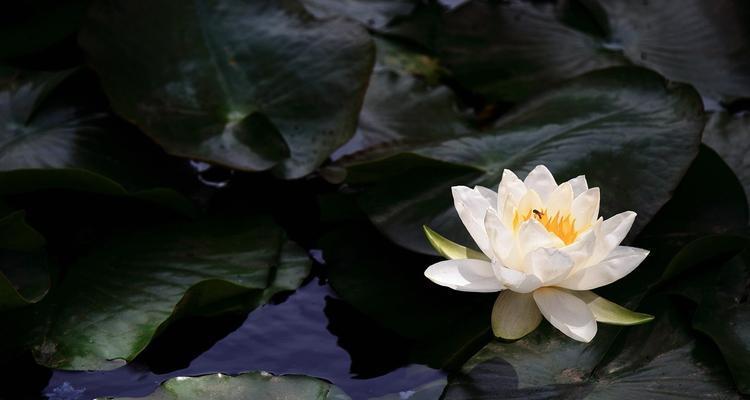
[[310, 332]]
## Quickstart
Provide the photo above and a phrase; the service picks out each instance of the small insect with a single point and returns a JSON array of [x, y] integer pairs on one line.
[[539, 214]]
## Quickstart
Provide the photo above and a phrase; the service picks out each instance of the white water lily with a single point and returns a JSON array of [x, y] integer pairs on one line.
[[543, 247]]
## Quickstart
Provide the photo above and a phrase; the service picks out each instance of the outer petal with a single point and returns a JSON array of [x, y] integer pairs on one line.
[[488, 194], [567, 313], [533, 235], [579, 185], [560, 201], [620, 262], [611, 233], [501, 238], [585, 208], [466, 275], [541, 180], [511, 186], [515, 315], [549, 265], [516, 281], [471, 207]]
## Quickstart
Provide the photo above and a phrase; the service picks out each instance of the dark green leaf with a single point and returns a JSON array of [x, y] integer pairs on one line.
[[373, 13], [24, 278], [428, 391], [729, 135], [653, 361], [401, 109], [724, 315], [511, 50], [706, 44], [113, 301], [250, 85], [628, 131], [31, 26], [56, 134], [250, 385]]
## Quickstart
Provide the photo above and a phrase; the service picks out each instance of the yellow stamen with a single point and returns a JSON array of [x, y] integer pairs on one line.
[[562, 227]]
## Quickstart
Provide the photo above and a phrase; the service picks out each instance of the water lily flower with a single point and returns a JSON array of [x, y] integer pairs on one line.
[[543, 247]]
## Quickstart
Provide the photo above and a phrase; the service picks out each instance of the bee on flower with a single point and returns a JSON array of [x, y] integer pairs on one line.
[[544, 248]]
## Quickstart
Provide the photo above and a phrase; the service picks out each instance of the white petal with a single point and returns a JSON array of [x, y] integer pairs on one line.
[[579, 185], [516, 281], [471, 207], [488, 194], [581, 250], [611, 233], [549, 265], [533, 235], [541, 180], [514, 315], [567, 313], [620, 262], [467, 275], [585, 208], [512, 186], [506, 211], [560, 201], [501, 238]]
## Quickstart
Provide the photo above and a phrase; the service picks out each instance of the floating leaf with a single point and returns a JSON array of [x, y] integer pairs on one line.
[[655, 361], [373, 13], [729, 135], [706, 44], [724, 315], [114, 301], [626, 129], [250, 85], [511, 50], [24, 278], [401, 107], [55, 134], [250, 385]]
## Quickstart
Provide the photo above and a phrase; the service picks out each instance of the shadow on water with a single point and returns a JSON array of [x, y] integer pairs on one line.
[[311, 333]]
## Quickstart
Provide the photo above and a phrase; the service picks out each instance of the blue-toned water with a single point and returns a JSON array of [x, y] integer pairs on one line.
[[292, 337]]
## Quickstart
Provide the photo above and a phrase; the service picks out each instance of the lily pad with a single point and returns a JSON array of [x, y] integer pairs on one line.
[[724, 315], [373, 13], [511, 50], [660, 360], [403, 105], [706, 44], [250, 385], [113, 302], [24, 278], [56, 134], [249, 85], [729, 135], [626, 129]]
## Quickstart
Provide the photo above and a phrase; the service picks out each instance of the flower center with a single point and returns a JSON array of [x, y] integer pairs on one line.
[[562, 227]]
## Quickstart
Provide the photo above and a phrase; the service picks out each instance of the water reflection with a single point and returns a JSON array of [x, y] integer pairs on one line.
[[288, 338]]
